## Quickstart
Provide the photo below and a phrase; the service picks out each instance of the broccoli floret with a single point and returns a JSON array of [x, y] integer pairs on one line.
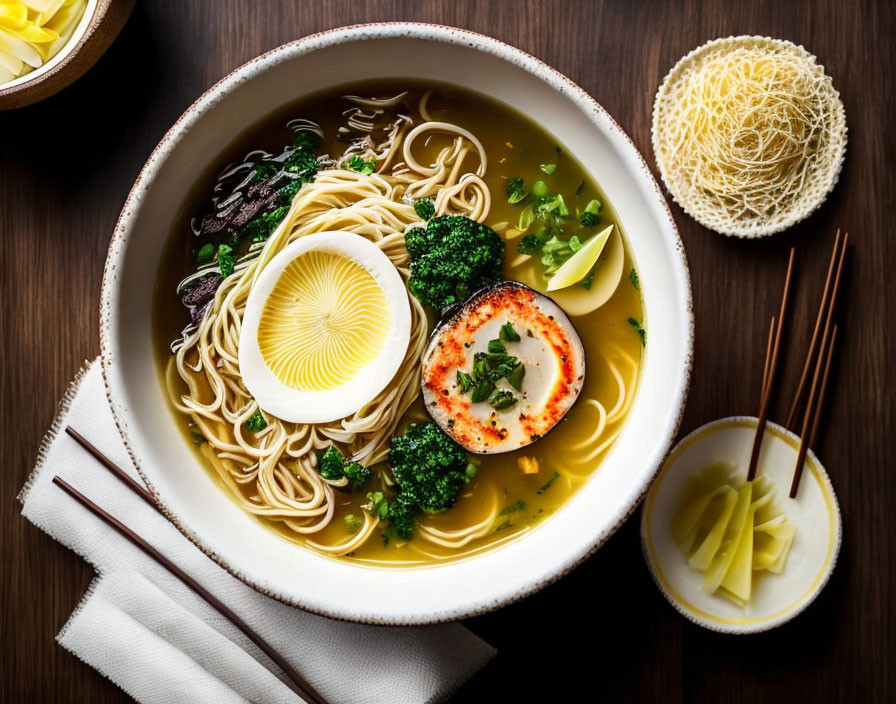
[[402, 515], [424, 208], [453, 257], [357, 474], [429, 467], [331, 465]]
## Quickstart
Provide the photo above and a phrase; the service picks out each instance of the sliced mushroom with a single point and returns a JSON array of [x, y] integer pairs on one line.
[[524, 406]]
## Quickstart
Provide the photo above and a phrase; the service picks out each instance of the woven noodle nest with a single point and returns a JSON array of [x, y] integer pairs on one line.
[[762, 162]]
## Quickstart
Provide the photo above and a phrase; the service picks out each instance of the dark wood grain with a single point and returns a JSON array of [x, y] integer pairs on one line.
[[67, 164]]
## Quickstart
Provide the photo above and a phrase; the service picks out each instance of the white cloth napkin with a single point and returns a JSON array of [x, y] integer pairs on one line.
[[160, 642]]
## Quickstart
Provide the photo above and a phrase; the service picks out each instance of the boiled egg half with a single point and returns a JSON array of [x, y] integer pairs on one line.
[[326, 327]]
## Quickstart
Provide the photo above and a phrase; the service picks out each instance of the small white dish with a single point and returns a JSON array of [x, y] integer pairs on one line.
[[776, 598]]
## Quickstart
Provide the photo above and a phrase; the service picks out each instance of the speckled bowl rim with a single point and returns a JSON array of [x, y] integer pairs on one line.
[[475, 42], [767, 625], [797, 215]]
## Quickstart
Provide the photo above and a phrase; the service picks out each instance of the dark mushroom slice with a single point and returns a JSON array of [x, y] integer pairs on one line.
[[502, 369]]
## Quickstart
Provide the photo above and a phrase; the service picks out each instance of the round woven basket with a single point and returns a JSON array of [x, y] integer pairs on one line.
[[701, 206]]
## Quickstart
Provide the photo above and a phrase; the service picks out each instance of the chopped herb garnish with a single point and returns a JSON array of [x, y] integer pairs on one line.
[[539, 189], [464, 381], [377, 505], [580, 188], [516, 190], [256, 422], [633, 277], [532, 244], [424, 208], [549, 169], [549, 483], [353, 523], [481, 391], [515, 378], [527, 217], [588, 281], [226, 262], [331, 465], [502, 399], [357, 163], [197, 438], [489, 368], [591, 215], [508, 334], [515, 507], [205, 253], [642, 333], [496, 347]]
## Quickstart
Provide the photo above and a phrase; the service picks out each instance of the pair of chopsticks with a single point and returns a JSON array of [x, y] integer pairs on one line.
[[294, 680], [818, 363]]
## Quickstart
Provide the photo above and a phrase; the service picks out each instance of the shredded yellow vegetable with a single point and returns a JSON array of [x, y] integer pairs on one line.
[[33, 31]]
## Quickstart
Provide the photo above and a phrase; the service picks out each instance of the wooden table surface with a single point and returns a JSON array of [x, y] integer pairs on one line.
[[67, 164]]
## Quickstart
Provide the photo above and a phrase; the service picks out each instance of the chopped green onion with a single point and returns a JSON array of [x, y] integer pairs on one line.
[[226, 262], [516, 190], [205, 253], [633, 277], [508, 334], [539, 189], [549, 169]]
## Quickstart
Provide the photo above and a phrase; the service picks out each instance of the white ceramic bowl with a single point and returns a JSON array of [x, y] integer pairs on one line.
[[341, 588]]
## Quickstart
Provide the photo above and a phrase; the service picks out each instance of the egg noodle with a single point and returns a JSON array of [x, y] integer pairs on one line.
[[279, 462], [748, 134]]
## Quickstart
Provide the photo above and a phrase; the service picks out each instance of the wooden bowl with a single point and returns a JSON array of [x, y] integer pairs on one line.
[[82, 51]]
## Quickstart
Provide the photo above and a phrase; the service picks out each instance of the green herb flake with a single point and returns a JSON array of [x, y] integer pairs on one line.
[[527, 217], [642, 333], [353, 523], [357, 163], [197, 437], [633, 277], [549, 483], [515, 378], [424, 208], [502, 400], [496, 347], [508, 334], [256, 422], [226, 262], [515, 507], [516, 190], [591, 215], [465, 381], [205, 253], [587, 282], [549, 169]]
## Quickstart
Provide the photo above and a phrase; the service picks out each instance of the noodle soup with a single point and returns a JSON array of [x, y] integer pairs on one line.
[[266, 302]]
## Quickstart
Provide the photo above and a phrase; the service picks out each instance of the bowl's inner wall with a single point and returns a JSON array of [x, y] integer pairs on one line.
[[341, 588]]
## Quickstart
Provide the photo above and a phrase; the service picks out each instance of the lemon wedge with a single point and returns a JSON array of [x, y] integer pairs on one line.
[[579, 264]]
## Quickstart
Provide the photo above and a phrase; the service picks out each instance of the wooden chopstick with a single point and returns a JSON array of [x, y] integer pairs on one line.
[[768, 384], [822, 309], [768, 359], [294, 680], [814, 406], [131, 483]]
